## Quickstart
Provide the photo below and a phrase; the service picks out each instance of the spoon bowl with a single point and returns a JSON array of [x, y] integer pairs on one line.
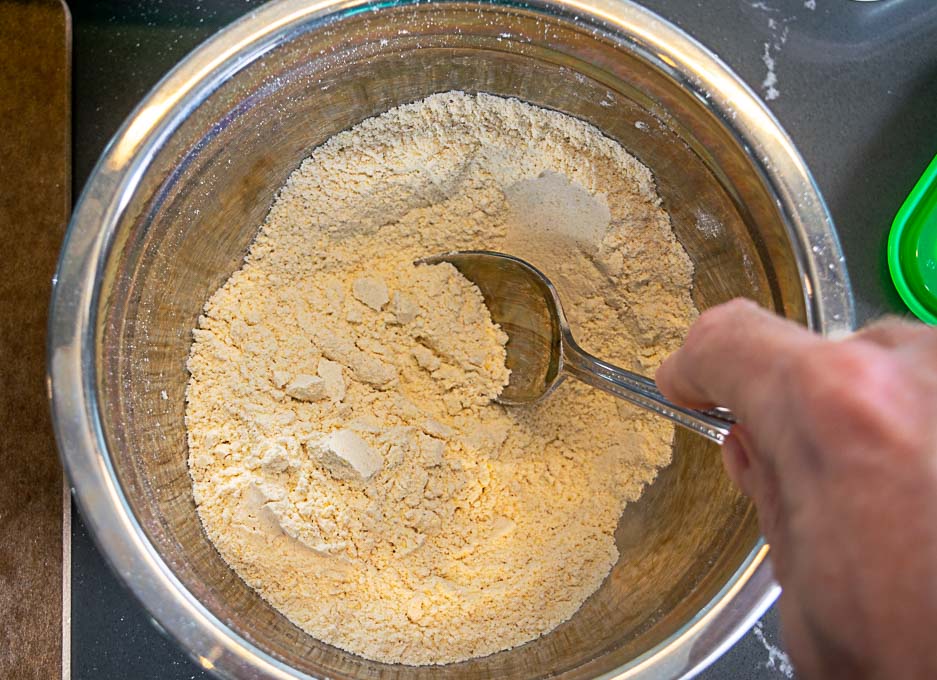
[[541, 350]]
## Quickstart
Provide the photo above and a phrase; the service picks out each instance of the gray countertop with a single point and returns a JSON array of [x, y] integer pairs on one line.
[[854, 83]]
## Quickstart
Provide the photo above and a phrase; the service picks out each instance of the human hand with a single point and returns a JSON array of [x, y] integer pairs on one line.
[[837, 447]]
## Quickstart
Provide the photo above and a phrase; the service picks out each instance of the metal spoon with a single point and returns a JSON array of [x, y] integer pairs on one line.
[[541, 351]]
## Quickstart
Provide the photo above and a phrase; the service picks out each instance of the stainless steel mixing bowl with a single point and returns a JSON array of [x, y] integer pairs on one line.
[[175, 201]]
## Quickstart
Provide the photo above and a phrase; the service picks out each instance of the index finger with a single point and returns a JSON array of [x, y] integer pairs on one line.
[[732, 355]]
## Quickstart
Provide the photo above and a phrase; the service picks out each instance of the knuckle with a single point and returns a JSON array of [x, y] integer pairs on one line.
[[733, 309], [924, 338], [852, 386], [889, 331], [715, 319], [833, 375]]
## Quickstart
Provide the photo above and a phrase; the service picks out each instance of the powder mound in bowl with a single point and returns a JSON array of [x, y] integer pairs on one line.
[[346, 456]]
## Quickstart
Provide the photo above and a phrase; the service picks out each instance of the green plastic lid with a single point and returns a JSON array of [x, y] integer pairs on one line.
[[912, 247]]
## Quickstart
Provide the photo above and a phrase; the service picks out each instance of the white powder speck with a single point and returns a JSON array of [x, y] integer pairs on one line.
[[163, 395], [771, 78], [749, 269], [777, 659], [779, 26], [708, 225], [810, 4]]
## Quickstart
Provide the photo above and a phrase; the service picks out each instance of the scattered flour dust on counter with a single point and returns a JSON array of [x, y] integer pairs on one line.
[[346, 456], [777, 659]]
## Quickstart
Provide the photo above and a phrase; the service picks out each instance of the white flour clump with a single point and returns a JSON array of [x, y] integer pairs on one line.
[[346, 458]]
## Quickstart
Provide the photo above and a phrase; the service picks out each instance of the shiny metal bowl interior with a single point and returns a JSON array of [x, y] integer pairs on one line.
[[178, 197]]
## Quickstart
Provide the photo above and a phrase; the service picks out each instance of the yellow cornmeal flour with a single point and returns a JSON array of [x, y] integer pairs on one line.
[[346, 456]]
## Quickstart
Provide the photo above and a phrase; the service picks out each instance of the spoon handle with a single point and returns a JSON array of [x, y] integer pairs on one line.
[[714, 424]]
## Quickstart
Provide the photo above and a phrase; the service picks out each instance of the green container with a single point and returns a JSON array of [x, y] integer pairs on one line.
[[912, 248]]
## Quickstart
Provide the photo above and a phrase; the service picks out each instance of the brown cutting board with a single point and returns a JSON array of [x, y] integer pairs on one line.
[[35, 139]]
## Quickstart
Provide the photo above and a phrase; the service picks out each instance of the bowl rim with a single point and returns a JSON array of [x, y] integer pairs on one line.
[[71, 330]]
